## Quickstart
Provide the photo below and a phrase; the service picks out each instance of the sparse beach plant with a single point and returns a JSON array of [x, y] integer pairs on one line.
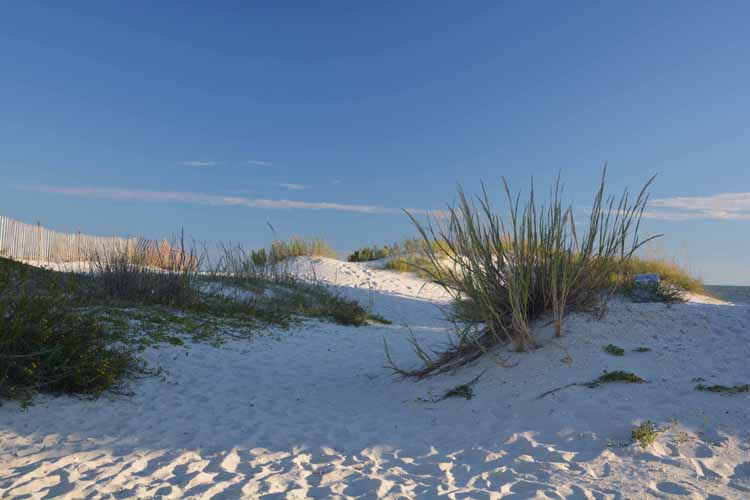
[[645, 434], [724, 389], [616, 376], [614, 350]]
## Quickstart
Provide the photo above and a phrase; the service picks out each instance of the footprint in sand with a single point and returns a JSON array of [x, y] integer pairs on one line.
[[672, 488]]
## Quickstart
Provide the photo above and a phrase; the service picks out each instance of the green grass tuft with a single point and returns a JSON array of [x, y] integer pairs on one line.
[[615, 376], [614, 350], [645, 434]]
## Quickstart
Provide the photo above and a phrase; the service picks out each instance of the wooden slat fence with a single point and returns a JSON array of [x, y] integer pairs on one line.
[[28, 242]]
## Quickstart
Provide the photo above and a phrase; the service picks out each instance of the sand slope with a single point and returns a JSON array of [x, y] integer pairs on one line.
[[313, 413]]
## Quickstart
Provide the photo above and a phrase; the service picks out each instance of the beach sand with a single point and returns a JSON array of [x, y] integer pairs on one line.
[[315, 413]]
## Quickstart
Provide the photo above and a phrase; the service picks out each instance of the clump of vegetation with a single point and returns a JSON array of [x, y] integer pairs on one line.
[[669, 272], [412, 263], [645, 434], [47, 343], [460, 391], [406, 256], [606, 378], [278, 292], [135, 276], [658, 292], [614, 350], [465, 391], [367, 254], [615, 376], [642, 349], [504, 273], [298, 247], [724, 389], [77, 333]]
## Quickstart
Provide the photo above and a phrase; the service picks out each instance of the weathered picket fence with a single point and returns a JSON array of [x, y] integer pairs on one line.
[[29, 242]]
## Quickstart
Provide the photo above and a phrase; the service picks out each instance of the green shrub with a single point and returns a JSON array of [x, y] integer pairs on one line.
[[46, 343], [366, 254], [645, 434], [509, 271]]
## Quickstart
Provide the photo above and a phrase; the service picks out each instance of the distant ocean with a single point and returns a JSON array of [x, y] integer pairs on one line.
[[736, 294]]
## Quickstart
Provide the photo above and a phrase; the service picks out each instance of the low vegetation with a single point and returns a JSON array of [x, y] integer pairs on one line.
[[77, 333], [606, 378], [410, 255], [299, 247], [645, 434], [47, 343], [724, 389], [663, 292], [614, 377], [668, 272], [613, 350], [506, 272], [366, 254]]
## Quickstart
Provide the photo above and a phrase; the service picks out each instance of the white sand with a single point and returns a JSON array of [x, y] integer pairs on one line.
[[313, 413]]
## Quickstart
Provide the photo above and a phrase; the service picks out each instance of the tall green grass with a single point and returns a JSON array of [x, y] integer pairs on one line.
[[505, 271]]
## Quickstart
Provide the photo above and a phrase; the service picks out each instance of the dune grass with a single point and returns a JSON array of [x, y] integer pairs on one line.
[[504, 272], [669, 272], [299, 247], [77, 333]]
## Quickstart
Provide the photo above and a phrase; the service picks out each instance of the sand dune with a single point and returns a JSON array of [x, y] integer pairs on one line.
[[314, 413]]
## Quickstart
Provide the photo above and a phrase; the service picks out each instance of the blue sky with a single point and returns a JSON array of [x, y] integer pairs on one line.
[[324, 119]]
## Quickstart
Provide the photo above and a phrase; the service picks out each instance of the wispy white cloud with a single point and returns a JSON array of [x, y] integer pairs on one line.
[[259, 163], [198, 163], [290, 185], [203, 199], [722, 206], [336, 181]]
